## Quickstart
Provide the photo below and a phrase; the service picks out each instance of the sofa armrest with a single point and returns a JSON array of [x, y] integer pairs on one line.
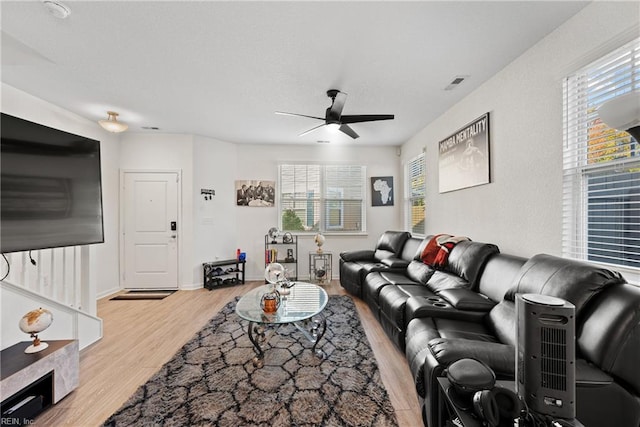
[[394, 262], [361, 255], [589, 375], [466, 299], [437, 307], [499, 357]]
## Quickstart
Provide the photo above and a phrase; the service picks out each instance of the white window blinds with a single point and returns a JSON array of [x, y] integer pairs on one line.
[[414, 195], [328, 198], [601, 193]]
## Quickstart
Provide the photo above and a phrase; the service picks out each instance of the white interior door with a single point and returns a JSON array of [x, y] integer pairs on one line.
[[150, 230]]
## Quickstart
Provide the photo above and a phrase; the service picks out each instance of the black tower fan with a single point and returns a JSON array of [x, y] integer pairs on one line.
[[545, 354]]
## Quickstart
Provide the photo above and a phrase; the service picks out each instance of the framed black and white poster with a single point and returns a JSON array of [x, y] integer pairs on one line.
[[381, 191], [463, 158], [255, 193]]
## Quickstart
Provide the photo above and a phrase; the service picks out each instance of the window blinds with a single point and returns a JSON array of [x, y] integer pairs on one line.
[[601, 166], [322, 197], [415, 194]]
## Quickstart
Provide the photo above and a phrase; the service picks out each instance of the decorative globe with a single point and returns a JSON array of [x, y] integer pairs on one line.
[[273, 234], [319, 239], [274, 273], [33, 323]]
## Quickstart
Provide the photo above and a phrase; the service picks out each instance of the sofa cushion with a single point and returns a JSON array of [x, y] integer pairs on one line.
[[461, 329], [615, 350], [394, 262], [381, 254], [440, 280], [465, 299], [574, 281], [396, 278], [419, 272], [502, 318]]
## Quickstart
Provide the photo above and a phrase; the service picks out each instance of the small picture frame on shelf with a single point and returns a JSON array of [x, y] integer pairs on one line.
[[289, 257]]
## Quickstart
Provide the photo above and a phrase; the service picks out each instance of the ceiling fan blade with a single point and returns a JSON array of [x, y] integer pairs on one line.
[[346, 129], [282, 113], [366, 118], [338, 104], [311, 130]]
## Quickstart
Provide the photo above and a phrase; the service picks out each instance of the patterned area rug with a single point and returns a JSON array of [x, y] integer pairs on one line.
[[211, 381]]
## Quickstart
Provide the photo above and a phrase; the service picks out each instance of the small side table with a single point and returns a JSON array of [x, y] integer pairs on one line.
[[450, 415], [320, 267]]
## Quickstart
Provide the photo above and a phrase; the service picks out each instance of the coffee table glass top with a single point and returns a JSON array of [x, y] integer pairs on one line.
[[305, 300]]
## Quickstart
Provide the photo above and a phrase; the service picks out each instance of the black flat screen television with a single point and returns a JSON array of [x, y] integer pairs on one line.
[[51, 190]]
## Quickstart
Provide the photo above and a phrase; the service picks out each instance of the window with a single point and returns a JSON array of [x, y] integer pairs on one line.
[[414, 195], [326, 198], [601, 194]]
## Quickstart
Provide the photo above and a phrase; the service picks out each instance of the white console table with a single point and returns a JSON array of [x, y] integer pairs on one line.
[[49, 375]]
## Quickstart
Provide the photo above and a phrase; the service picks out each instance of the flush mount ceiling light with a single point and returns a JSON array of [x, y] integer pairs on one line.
[[112, 124], [57, 9]]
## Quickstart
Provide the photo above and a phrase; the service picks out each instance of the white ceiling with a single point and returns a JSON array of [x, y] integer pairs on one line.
[[221, 69]]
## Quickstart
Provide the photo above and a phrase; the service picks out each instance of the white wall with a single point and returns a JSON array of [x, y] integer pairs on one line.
[[214, 229], [167, 152], [521, 210], [258, 162], [104, 256], [214, 222]]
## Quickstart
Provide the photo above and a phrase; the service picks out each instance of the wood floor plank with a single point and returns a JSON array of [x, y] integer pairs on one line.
[[140, 336]]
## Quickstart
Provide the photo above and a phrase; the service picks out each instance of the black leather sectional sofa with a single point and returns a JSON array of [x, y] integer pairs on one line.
[[466, 309]]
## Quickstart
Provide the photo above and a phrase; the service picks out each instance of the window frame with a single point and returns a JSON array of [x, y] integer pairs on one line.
[[597, 162], [409, 195], [324, 202]]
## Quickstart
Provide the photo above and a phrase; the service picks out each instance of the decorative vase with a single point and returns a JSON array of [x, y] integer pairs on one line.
[[270, 301]]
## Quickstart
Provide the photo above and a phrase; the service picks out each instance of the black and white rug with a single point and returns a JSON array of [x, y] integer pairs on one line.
[[211, 381]]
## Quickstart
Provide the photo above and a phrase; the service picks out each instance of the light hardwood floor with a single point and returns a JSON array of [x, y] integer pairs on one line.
[[140, 336]]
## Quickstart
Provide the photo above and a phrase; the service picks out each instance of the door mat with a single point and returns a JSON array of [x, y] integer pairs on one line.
[[142, 295]]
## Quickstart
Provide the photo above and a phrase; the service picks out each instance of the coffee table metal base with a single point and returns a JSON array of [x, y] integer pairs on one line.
[[312, 329]]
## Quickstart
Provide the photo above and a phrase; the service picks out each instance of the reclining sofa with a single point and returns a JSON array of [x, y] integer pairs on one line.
[[466, 309]]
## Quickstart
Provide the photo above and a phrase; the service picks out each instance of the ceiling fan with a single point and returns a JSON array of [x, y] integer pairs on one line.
[[334, 119]]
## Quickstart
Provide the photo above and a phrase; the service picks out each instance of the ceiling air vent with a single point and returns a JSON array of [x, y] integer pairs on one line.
[[456, 82]]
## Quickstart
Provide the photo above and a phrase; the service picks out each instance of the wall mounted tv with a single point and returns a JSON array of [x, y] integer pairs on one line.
[[51, 191]]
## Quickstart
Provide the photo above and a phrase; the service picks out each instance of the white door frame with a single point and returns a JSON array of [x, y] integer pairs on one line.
[[121, 220]]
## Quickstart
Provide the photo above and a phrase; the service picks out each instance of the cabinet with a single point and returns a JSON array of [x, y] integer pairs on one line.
[[32, 382], [222, 273], [283, 250]]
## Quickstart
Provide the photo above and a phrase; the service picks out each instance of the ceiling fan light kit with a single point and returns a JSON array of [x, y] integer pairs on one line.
[[334, 120]]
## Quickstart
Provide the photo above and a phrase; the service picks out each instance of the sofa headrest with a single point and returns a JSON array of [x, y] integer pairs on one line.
[[467, 259], [392, 241], [571, 280], [498, 275]]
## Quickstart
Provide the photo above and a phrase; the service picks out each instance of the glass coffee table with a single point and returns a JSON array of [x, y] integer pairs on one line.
[[302, 307]]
